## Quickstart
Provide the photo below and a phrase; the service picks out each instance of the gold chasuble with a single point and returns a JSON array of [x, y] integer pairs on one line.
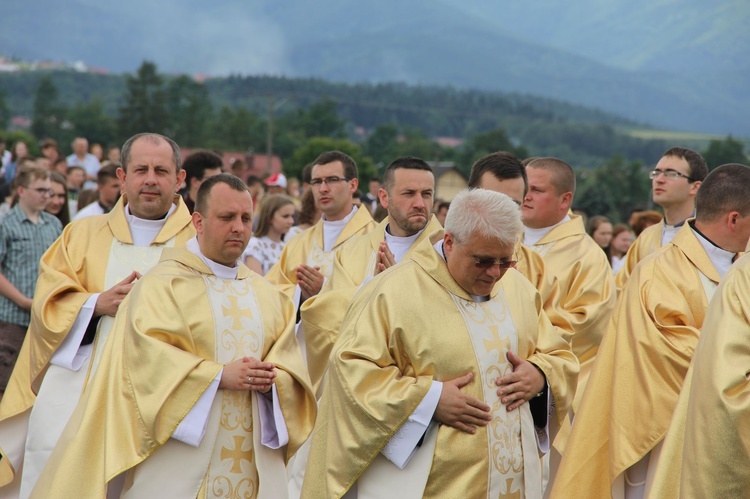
[[531, 265], [322, 314], [587, 291], [709, 438], [307, 249], [90, 256], [640, 368], [389, 351], [646, 243], [175, 330]]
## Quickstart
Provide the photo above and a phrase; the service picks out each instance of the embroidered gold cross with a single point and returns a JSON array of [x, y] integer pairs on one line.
[[237, 455], [235, 312], [497, 343], [509, 494]]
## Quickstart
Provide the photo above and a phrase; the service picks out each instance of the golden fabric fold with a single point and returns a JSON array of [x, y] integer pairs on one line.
[[156, 366], [587, 291], [716, 457], [71, 270], [295, 253], [386, 357], [646, 243], [639, 370], [321, 315]]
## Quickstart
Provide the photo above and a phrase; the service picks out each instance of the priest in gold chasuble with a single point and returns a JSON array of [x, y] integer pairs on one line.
[[202, 390], [83, 277], [307, 259], [429, 389], [407, 194], [675, 181], [715, 460], [617, 435], [587, 291]]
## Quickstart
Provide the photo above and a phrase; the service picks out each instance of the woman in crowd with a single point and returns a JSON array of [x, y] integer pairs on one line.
[[19, 151], [600, 228], [58, 202], [646, 220], [308, 215], [622, 238], [275, 218]]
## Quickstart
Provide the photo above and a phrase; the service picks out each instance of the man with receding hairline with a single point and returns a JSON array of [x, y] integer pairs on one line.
[[629, 401], [211, 392], [587, 290], [83, 278]]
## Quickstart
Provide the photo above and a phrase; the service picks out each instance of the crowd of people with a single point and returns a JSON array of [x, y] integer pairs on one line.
[[197, 332]]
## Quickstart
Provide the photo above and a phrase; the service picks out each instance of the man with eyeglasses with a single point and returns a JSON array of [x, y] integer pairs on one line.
[[674, 181], [26, 231], [619, 429], [436, 393], [83, 277], [307, 260], [587, 291]]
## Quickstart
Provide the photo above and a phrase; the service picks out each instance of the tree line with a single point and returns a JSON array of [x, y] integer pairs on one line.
[[298, 118]]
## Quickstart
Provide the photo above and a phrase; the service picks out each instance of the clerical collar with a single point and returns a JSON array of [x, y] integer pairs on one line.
[[533, 236], [400, 245], [145, 231], [219, 270], [104, 208], [332, 229], [441, 251], [722, 259], [669, 231]]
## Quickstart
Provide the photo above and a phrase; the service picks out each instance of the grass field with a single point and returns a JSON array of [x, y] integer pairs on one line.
[[700, 140]]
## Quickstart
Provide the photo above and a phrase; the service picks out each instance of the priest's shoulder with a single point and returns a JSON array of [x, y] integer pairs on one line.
[[86, 226], [518, 283]]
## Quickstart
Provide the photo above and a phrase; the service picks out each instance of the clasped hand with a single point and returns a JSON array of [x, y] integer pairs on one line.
[[248, 373]]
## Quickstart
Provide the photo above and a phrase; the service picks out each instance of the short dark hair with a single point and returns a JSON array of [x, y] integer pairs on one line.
[[725, 189], [502, 165], [350, 167], [74, 167], [405, 162], [107, 172], [154, 138], [197, 163], [307, 173], [252, 180], [698, 166], [443, 204], [236, 183]]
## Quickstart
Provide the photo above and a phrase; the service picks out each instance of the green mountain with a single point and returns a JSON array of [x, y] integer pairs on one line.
[[676, 66]]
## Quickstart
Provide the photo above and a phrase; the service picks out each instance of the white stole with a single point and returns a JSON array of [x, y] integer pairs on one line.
[[230, 458], [61, 388]]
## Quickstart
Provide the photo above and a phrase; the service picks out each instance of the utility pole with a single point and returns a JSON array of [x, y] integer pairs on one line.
[[269, 139]]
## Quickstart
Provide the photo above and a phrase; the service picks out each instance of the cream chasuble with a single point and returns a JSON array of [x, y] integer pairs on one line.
[[90, 256], [707, 448], [587, 292], [321, 315], [178, 325], [639, 372], [389, 351], [307, 248], [646, 243]]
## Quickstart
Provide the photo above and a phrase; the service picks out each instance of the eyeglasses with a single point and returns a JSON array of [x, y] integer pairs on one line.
[[43, 191], [488, 263], [317, 182], [668, 174]]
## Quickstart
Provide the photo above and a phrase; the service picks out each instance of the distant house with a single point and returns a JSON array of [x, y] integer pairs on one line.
[[449, 180]]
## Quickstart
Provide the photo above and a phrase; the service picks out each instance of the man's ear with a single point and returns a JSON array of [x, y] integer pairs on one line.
[[198, 222]]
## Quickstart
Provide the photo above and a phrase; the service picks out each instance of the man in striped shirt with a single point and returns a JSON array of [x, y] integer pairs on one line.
[[26, 231]]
